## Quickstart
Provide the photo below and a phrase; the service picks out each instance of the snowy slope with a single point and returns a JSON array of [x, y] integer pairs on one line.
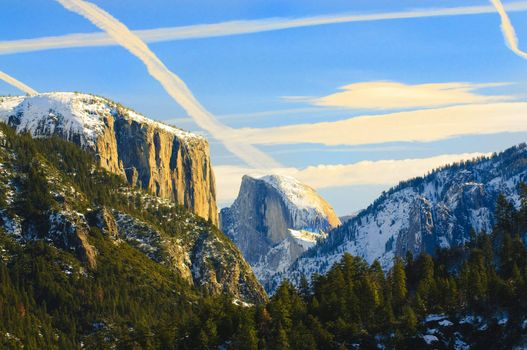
[[73, 116], [422, 214]]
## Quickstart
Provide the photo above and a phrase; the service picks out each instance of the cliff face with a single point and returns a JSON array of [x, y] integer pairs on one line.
[[274, 220], [166, 161]]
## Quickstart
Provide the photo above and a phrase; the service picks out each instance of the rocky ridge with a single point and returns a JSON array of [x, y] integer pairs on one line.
[[421, 215]]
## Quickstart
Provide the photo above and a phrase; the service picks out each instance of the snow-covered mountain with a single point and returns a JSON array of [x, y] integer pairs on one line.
[[167, 161], [274, 219], [422, 214]]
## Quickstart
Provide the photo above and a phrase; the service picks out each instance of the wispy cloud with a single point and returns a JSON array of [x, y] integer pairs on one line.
[[173, 85], [423, 125], [508, 30], [18, 84], [382, 172], [395, 95], [237, 28]]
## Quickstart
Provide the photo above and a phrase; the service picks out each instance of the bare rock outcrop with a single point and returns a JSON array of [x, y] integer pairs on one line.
[[274, 220]]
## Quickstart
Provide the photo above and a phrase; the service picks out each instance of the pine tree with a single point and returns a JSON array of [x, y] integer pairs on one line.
[[398, 276], [505, 213]]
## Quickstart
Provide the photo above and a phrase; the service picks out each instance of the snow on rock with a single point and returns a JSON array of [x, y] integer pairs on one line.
[[435, 317], [305, 238], [432, 331], [139, 235], [74, 116], [11, 224], [502, 320], [483, 327], [470, 319], [459, 344], [421, 214], [274, 219], [445, 323], [303, 202], [429, 339]]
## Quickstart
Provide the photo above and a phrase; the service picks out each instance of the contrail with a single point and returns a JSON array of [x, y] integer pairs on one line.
[[173, 85], [18, 84], [237, 28], [508, 30]]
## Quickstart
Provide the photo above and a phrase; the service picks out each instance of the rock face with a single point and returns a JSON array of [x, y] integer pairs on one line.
[[422, 214], [166, 161], [274, 219]]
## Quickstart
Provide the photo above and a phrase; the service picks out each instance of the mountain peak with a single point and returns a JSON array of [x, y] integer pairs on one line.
[[274, 219], [420, 215], [299, 196]]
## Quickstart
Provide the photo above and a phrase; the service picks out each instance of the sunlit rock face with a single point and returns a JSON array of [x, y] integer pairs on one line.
[[167, 161], [274, 220]]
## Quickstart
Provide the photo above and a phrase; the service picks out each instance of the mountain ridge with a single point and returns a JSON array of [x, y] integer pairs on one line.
[[421, 214]]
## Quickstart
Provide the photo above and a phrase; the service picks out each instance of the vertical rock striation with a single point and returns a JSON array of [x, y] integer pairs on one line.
[[164, 160]]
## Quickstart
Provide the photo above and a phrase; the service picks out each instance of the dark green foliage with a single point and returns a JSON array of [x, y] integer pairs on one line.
[[50, 300], [357, 304]]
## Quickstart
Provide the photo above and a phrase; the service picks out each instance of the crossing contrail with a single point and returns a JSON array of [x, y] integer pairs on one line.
[[238, 27], [173, 85], [508, 30], [18, 84]]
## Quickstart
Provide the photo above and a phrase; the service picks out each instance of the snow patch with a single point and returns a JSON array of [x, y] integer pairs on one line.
[[305, 238], [445, 323], [435, 317], [429, 339]]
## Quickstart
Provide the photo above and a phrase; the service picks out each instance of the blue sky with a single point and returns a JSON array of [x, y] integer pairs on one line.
[[242, 79]]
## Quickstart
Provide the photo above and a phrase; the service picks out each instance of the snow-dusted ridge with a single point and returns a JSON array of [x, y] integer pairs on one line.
[[166, 161], [72, 114], [274, 219], [420, 215]]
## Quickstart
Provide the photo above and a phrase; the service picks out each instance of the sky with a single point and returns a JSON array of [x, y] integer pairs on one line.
[[350, 97]]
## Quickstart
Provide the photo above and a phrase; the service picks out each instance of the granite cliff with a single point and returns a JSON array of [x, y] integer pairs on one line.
[[274, 220], [166, 161]]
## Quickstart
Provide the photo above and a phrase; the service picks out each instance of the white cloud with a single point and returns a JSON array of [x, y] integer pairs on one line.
[[172, 84], [508, 30], [18, 84], [237, 27], [410, 126], [382, 172], [395, 95]]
